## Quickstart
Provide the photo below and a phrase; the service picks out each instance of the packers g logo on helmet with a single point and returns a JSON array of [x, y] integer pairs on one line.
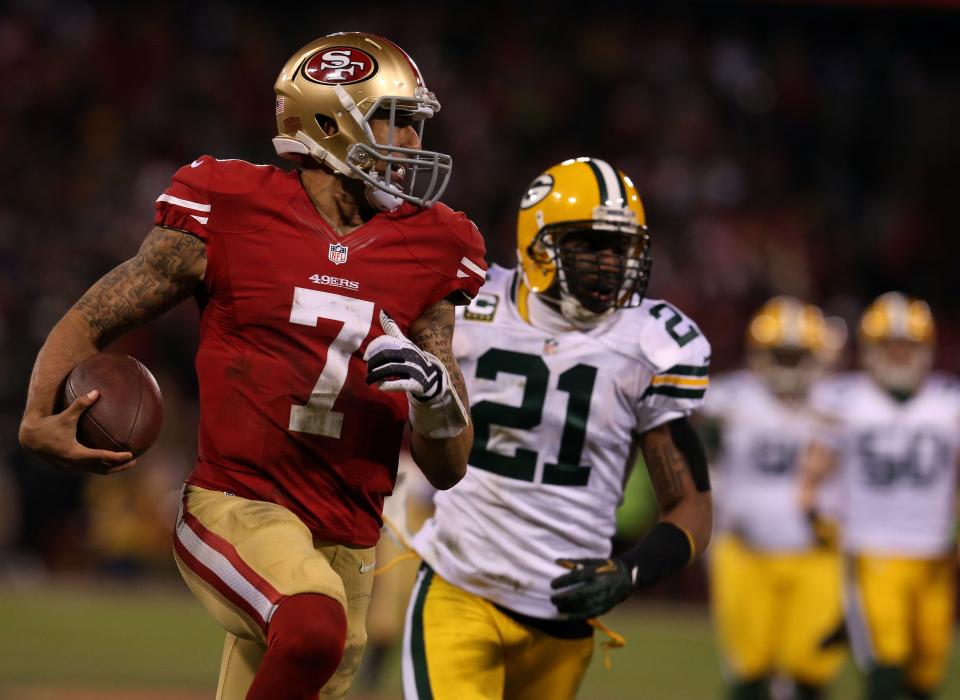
[[537, 190], [581, 234]]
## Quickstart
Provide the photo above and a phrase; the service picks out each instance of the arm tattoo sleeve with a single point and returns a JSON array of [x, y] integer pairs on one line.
[[666, 466], [434, 333], [167, 269]]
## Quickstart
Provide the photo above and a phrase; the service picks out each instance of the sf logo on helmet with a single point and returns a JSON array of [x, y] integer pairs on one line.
[[340, 65]]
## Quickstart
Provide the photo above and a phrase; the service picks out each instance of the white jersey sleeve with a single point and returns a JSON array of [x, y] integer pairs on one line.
[[680, 355]]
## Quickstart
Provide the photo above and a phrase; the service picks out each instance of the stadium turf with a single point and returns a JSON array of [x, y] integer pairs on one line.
[[78, 643]]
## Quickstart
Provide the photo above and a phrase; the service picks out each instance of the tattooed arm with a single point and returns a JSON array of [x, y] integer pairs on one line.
[[443, 462], [681, 502], [167, 269]]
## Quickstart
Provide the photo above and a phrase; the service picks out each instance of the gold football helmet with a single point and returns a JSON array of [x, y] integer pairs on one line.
[[897, 335], [582, 239], [326, 95], [789, 344]]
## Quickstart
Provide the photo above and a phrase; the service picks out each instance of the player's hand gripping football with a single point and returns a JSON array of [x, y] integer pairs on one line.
[[54, 438], [593, 587], [395, 363]]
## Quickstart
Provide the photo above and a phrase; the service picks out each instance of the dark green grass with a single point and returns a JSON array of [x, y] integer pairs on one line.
[[79, 637]]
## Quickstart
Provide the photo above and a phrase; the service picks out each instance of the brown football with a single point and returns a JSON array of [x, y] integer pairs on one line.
[[129, 413]]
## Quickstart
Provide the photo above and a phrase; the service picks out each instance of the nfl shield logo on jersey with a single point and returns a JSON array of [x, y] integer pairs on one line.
[[338, 253]]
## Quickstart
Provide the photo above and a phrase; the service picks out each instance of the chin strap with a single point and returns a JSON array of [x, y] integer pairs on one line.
[[382, 197]]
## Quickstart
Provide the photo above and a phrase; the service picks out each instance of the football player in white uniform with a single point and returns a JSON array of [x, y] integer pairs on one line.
[[570, 371], [896, 448], [775, 589]]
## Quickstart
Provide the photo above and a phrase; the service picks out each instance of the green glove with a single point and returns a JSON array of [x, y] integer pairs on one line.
[[594, 587]]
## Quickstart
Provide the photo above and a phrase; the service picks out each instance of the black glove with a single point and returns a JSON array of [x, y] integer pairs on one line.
[[596, 586], [600, 584], [395, 363]]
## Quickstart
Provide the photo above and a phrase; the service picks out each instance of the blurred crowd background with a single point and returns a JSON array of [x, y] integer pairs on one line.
[[802, 148]]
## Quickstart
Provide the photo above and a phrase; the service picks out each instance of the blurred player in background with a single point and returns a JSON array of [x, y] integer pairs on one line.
[[570, 371], [775, 590], [410, 504], [896, 448], [307, 281]]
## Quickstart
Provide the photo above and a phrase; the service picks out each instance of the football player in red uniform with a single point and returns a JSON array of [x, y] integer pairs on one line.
[[309, 283]]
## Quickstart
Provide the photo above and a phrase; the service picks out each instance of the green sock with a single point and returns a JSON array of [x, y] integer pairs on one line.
[[805, 691], [756, 689], [883, 683]]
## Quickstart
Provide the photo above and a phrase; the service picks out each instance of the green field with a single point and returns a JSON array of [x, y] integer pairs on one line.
[[68, 643]]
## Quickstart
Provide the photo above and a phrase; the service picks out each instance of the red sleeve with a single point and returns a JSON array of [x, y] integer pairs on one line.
[[186, 205], [467, 271]]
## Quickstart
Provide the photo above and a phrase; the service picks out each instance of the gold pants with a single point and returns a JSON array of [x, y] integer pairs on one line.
[[241, 558]]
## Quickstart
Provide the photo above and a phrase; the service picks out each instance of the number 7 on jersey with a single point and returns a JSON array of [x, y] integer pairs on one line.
[[317, 416]]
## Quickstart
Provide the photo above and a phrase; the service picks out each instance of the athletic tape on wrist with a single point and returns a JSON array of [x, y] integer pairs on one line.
[[441, 417]]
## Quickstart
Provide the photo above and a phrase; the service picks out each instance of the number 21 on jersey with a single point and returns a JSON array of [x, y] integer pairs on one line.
[[577, 381]]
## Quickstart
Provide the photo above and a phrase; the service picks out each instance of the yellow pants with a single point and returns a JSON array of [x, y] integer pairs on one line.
[[458, 646], [900, 613], [772, 611], [241, 558]]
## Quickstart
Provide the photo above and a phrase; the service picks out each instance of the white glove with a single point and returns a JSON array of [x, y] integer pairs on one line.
[[394, 363]]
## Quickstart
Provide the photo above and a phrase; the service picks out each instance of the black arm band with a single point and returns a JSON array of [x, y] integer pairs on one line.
[[663, 552], [687, 441]]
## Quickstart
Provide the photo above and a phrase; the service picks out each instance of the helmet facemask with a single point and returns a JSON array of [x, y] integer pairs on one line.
[[600, 267], [898, 365], [397, 181], [787, 371]]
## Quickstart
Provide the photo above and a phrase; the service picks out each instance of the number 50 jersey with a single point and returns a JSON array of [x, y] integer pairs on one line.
[[556, 417], [898, 463]]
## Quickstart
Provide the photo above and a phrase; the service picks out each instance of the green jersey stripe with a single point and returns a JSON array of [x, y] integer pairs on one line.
[[675, 392], [689, 370]]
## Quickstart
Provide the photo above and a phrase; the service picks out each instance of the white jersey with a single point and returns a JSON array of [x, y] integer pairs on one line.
[[762, 441], [555, 418], [898, 464]]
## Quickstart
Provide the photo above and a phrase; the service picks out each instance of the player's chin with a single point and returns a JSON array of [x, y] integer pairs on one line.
[[599, 300]]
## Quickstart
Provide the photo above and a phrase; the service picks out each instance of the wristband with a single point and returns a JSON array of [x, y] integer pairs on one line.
[[663, 552], [441, 417]]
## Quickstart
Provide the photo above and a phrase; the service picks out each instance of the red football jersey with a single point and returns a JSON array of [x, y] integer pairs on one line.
[[287, 310]]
